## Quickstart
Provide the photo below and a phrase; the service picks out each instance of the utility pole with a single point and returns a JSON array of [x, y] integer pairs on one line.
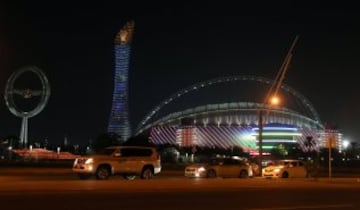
[[330, 141]]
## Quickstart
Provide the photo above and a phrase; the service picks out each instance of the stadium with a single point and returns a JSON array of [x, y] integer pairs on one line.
[[197, 116], [218, 113]]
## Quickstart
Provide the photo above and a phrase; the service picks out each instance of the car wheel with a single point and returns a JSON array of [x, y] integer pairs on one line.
[[103, 172], [84, 176], [285, 175], [243, 174], [130, 176], [147, 173], [211, 173]]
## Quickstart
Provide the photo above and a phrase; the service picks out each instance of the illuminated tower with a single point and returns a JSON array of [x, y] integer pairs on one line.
[[119, 116]]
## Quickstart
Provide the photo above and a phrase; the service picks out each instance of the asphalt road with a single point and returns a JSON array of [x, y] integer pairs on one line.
[[57, 189]]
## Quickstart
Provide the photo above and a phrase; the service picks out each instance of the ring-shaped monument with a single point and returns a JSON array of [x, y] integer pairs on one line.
[[43, 93]]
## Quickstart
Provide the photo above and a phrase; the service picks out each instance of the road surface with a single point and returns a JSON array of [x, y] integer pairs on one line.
[[56, 189]]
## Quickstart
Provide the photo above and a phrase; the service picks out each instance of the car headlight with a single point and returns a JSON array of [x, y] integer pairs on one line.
[[277, 170], [75, 162], [201, 169], [89, 161]]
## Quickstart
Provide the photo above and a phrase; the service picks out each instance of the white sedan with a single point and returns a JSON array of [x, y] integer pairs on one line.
[[220, 167], [286, 169]]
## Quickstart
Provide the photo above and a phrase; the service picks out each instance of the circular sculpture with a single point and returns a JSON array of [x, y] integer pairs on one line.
[[28, 93]]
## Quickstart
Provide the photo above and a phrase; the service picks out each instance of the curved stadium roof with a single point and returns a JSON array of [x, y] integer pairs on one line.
[[236, 114], [226, 125]]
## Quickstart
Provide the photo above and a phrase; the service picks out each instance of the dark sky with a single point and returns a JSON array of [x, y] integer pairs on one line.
[[175, 46]]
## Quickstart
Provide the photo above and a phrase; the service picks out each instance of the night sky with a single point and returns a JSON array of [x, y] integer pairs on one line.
[[175, 46]]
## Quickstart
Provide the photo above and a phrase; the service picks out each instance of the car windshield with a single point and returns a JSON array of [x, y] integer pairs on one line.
[[216, 161], [284, 162]]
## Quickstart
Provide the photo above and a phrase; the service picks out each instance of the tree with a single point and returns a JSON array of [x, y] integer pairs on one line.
[[139, 140], [353, 149], [280, 151], [238, 151], [105, 140], [12, 141]]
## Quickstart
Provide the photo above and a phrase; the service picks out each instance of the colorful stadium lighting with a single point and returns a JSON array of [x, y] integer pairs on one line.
[[277, 128], [278, 141], [279, 134], [266, 147]]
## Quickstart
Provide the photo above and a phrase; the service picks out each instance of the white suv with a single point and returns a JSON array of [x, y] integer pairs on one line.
[[129, 161]]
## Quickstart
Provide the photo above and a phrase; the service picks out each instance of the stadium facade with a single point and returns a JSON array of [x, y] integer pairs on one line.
[[230, 125]]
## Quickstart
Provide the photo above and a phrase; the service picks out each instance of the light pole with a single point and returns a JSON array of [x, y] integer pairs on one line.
[[260, 141], [274, 101], [330, 145]]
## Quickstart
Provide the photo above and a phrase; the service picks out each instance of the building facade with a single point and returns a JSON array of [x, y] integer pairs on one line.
[[331, 138]]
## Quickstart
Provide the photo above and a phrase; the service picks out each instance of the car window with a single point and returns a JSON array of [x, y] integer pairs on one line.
[[129, 152], [107, 151], [229, 162], [216, 161], [285, 163]]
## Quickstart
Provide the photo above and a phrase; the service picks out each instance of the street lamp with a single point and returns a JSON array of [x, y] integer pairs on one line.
[[274, 101], [345, 145]]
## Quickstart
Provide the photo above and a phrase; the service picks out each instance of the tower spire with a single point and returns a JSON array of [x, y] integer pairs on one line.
[[126, 33]]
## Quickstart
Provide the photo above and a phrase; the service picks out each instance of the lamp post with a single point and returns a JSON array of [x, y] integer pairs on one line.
[[274, 100], [260, 140], [330, 145]]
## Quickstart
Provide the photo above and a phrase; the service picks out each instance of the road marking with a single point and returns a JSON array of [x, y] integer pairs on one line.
[[306, 207]]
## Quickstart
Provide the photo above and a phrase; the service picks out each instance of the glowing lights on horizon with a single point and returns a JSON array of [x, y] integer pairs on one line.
[[267, 147], [278, 141], [257, 153], [277, 128], [279, 134], [345, 144]]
